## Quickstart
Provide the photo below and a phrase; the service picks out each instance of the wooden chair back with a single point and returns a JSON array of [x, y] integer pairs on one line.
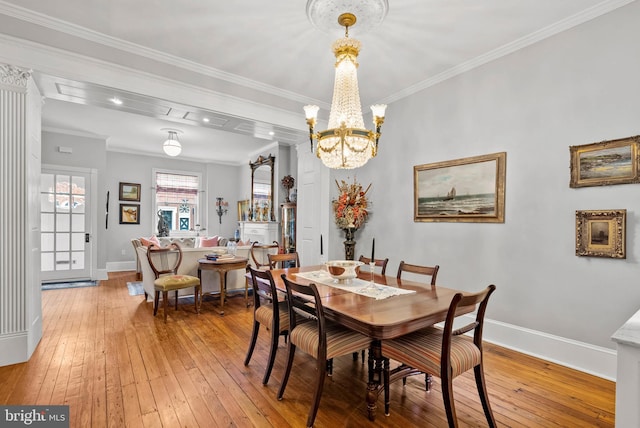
[[263, 288], [480, 298], [164, 260], [378, 262], [420, 270], [258, 252], [304, 308], [137, 244], [284, 260]]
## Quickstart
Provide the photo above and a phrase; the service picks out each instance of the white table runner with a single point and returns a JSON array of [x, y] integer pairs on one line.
[[358, 286]]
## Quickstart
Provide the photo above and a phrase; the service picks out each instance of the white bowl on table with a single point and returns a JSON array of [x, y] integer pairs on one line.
[[343, 270]]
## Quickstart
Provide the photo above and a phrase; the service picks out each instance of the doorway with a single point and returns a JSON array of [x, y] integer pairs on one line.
[[65, 224]]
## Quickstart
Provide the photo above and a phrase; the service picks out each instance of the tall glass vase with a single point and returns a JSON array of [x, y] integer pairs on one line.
[[349, 244]]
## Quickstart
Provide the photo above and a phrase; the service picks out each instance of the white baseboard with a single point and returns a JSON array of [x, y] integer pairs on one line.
[[121, 266], [585, 357], [102, 275], [13, 348]]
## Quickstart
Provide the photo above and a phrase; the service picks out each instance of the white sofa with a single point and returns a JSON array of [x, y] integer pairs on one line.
[[189, 266]]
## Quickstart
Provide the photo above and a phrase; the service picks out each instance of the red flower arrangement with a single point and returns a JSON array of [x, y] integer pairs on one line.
[[350, 209]]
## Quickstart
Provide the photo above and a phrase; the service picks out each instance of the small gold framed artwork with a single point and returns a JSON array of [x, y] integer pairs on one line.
[[601, 233], [605, 163], [130, 192], [129, 214]]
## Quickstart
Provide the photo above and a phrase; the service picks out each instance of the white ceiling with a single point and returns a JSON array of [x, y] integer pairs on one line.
[[262, 54]]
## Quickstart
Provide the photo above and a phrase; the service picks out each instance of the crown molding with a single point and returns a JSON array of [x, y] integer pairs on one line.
[[544, 33], [76, 133], [135, 49]]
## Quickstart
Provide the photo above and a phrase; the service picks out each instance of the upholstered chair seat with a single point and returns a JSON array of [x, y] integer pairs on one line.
[[340, 341], [423, 349]]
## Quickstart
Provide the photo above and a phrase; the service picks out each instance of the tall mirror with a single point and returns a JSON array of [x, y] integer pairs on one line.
[[262, 189]]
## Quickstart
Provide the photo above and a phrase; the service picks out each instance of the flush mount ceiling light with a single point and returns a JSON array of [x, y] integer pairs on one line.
[[346, 144], [172, 146]]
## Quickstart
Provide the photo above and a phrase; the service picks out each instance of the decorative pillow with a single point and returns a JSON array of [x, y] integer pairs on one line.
[[246, 243], [209, 242], [152, 240]]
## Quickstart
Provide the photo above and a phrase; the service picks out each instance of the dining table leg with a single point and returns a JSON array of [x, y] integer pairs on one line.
[[374, 386]]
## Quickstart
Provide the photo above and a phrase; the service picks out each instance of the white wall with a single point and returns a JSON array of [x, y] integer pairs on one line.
[[578, 87]]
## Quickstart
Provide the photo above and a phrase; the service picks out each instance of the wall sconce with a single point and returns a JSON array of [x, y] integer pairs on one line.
[[222, 207]]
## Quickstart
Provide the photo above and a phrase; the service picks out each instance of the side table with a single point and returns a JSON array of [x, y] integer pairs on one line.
[[222, 266]]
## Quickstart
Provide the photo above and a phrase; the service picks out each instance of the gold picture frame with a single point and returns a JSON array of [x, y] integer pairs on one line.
[[462, 190], [605, 163], [243, 210], [130, 192], [129, 214], [601, 233]]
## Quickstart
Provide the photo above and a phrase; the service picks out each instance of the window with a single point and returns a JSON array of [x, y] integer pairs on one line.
[[177, 201]]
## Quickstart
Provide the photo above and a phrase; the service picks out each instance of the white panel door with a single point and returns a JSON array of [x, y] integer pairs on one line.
[[313, 207], [65, 251]]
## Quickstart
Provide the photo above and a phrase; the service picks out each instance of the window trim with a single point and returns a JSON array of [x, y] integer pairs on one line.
[[201, 212]]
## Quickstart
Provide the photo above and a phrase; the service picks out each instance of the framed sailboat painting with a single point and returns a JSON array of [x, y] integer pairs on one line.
[[462, 190]]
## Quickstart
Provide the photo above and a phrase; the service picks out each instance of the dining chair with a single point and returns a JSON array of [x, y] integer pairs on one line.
[[269, 311], [378, 262], [420, 270], [165, 262], [284, 260], [443, 351], [316, 336], [259, 253]]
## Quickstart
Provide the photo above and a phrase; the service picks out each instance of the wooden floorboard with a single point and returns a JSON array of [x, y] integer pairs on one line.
[[106, 356]]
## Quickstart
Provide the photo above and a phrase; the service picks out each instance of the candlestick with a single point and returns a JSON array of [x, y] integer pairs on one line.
[[373, 249]]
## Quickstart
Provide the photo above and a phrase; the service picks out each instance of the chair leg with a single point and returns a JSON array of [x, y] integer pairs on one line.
[[427, 381], [291, 350], [355, 356], [318, 394], [156, 300], [165, 303], [176, 297], [252, 342], [363, 355], [197, 301], [275, 335], [447, 397], [386, 363], [330, 366], [484, 398]]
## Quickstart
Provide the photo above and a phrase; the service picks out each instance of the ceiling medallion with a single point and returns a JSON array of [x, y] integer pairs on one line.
[[323, 14]]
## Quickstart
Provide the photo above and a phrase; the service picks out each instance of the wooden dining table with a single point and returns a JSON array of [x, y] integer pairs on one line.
[[378, 318]]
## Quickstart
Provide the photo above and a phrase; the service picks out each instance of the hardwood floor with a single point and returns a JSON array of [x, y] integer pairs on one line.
[[106, 356]]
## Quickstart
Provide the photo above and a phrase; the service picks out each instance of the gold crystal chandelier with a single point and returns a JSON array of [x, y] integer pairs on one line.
[[346, 144]]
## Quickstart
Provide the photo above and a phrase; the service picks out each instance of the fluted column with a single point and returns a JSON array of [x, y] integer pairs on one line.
[[20, 298]]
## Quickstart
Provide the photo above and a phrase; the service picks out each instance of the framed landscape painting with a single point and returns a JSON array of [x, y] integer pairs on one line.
[[601, 233], [605, 163], [130, 192], [461, 190]]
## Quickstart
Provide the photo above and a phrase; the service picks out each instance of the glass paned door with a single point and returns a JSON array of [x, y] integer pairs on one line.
[[64, 218]]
